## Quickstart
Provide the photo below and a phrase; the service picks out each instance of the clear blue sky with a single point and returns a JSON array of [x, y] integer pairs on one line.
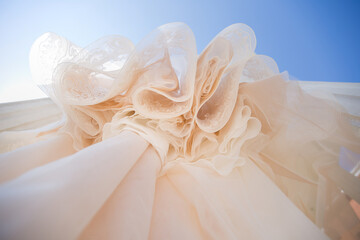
[[313, 40]]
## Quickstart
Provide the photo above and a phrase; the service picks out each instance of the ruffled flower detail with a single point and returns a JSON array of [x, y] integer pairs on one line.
[[189, 107]]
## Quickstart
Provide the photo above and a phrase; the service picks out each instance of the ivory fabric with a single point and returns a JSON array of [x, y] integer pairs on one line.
[[160, 143]]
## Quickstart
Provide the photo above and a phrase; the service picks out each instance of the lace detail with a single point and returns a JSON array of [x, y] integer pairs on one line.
[[190, 108], [186, 105]]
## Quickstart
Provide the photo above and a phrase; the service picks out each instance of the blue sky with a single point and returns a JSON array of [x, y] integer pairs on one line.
[[313, 40]]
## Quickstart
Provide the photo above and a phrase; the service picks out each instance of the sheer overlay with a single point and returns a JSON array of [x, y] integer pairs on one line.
[[160, 143]]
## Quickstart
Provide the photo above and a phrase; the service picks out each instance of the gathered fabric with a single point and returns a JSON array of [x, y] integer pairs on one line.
[[158, 142]]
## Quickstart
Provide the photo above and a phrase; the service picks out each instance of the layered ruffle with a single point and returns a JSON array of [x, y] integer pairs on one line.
[[180, 102], [221, 109]]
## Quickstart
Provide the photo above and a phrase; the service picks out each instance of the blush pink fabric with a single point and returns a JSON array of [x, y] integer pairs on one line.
[[160, 143]]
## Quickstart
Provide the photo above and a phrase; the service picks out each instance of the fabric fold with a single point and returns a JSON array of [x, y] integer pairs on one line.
[[215, 201], [15, 163], [172, 145], [127, 213], [58, 200]]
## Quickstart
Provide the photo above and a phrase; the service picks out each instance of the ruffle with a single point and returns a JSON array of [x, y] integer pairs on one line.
[[180, 102], [220, 109]]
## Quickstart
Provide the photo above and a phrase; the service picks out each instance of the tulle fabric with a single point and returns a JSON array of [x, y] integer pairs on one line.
[[111, 190], [171, 145]]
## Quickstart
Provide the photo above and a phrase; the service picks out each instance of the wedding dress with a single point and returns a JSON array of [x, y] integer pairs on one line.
[[160, 143]]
